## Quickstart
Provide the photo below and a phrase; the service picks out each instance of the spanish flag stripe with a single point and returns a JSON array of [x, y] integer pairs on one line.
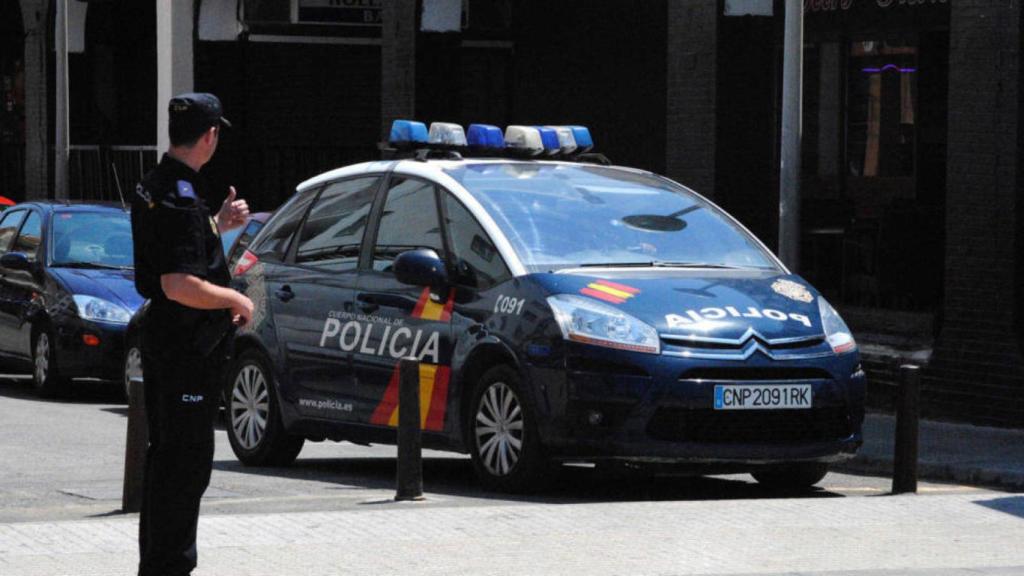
[[602, 296], [388, 404], [428, 380], [446, 314], [439, 401], [618, 286], [417, 312], [609, 290]]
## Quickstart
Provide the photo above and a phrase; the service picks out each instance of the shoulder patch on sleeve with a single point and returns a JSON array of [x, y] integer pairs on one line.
[[185, 190]]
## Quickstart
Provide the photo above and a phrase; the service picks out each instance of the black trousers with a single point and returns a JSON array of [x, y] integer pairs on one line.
[[182, 399]]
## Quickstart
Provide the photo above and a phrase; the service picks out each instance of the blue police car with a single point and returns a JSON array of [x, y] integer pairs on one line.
[[562, 310]]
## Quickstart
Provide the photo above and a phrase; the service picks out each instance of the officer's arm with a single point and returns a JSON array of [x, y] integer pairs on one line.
[[194, 292]]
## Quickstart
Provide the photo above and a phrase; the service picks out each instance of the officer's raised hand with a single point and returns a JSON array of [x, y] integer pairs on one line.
[[233, 212]]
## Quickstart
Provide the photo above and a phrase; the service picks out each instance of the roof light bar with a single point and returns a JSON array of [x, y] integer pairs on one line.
[[524, 139], [566, 141], [549, 138], [406, 133], [485, 136], [584, 143], [447, 134]]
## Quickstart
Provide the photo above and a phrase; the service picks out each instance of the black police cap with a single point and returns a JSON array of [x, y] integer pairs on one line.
[[196, 112]]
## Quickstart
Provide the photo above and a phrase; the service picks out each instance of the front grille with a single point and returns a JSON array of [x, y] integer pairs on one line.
[[750, 426], [744, 373]]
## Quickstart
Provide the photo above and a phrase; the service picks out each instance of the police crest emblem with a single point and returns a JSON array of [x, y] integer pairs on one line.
[[792, 290]]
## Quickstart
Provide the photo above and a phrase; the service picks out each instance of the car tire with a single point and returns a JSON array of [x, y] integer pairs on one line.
[[792, 477], [254, 425], [46, 378], [506, 450], [132, 368]]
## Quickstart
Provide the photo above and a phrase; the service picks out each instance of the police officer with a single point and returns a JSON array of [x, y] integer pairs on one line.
[[186, 333]]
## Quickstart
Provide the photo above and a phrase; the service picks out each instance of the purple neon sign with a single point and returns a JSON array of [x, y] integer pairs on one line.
[[888, 68]]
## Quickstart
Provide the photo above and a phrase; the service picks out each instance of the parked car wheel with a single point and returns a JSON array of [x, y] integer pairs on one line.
[[254, 428], [132, 368], [45, 374], [505, 447], [800, 476]]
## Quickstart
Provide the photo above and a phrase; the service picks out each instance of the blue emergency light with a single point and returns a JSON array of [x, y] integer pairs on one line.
[[405, 133], [582, 136], [549, 139], [485, 136]]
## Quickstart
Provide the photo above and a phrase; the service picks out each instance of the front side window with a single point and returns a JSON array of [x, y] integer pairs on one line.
[[274, 239], [560, 216], [478, 263], [9, 227], [92, 239], [409, 221], [333, 232], [30, 236]]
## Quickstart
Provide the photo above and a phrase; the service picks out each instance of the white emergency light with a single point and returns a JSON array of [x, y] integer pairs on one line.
[[447, 134], [524, 139], [566, 141]]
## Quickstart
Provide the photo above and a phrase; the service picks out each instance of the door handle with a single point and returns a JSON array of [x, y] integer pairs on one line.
[[367, 303], [285, 293]]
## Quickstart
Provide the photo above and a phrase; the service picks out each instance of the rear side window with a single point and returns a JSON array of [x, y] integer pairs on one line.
[[30, 236], [244, 238], [333, 232], [9, 227], [274, 239], [477, 261], [409, 221]]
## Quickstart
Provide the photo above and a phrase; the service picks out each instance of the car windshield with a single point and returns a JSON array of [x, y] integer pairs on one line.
[[92, 239], [560, 216]]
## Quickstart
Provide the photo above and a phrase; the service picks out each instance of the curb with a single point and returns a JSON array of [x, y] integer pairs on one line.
[[980, 475]]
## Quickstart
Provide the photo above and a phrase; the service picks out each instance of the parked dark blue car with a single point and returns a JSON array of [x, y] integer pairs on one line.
[[67, 291]]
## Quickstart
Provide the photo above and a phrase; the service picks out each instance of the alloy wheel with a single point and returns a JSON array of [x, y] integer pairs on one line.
[[249, 406], [42, 359], [498, 429]]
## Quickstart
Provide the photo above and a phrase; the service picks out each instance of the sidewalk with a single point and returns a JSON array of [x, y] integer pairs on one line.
[[947, 452]]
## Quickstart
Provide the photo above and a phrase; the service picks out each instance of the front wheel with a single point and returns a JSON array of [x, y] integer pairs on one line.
[[45, 377], [255, 430], [506, 450], [798, 476]]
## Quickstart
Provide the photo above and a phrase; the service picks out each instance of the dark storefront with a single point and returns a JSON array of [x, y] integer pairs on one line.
[[12, 102]]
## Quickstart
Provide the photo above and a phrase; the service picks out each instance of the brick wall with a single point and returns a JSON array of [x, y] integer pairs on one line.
[[690, 113], [977, 371]]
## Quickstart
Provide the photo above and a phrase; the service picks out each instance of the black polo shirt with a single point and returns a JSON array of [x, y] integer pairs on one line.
[[173, 231]]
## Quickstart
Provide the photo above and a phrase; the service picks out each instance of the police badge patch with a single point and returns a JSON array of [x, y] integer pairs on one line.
[[792, 290]]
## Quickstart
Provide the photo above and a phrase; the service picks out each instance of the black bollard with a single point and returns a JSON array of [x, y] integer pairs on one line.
[[908, 413], [410, 437], [135, 448]]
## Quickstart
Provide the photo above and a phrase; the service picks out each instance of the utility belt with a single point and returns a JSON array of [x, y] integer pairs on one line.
[[171, 330]]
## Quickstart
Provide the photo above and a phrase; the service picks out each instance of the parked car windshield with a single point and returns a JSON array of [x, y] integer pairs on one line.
[[559, 216], [91, 239]]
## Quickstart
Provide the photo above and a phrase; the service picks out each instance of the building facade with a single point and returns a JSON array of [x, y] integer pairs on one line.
[[912, 200]]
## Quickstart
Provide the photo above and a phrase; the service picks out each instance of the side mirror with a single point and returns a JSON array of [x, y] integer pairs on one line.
[[15, 261], [421, 267]]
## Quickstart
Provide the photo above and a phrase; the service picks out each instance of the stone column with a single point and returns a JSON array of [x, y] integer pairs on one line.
[[37, 136], [398, 62], [174, 59], [691, 79], [977, 371]]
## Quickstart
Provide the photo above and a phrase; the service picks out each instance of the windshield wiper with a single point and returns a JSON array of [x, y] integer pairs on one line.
[[657, 264], [91, 265]]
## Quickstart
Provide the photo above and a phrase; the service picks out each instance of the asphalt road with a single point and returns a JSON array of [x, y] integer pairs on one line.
[[64, 460]]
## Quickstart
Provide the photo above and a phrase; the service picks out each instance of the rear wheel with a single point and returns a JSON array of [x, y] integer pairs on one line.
[[254, 427], [45, 377], [798, 476], [506, 450]]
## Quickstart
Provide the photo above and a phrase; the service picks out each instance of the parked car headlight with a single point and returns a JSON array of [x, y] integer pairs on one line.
[[92, 308], [836, 332], [584, 320]]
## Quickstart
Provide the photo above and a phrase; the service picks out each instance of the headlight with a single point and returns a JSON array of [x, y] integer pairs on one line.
[[584, 320], [92, 308], [836, 331]]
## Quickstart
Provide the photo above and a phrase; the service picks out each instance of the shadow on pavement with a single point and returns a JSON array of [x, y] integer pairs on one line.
[[19, 387], [571, 485], [1013, 505]]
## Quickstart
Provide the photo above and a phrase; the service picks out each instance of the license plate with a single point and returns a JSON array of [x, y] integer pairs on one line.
[[762, 397]]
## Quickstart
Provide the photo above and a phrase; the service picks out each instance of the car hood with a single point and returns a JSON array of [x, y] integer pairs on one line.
[[117, 286], [725, 304]]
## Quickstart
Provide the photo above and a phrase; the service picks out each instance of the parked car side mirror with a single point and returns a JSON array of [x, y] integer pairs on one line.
[[420, 267], [15, 261]]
